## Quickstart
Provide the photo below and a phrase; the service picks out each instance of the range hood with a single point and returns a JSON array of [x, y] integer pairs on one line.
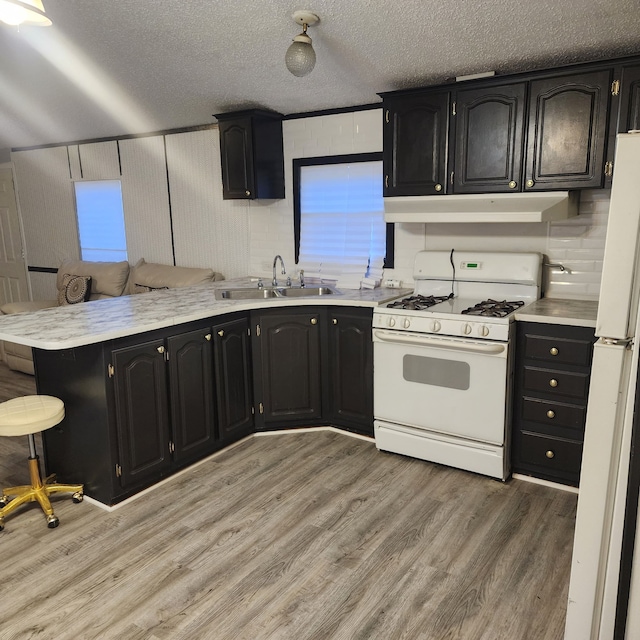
[[498, 207]]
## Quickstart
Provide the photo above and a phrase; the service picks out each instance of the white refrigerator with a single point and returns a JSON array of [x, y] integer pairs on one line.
[[604, 592]]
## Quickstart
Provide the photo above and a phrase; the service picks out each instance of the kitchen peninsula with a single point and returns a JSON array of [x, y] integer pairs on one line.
[[154, 382]]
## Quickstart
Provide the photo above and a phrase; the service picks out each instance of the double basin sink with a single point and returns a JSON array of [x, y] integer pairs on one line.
[[266, 293]]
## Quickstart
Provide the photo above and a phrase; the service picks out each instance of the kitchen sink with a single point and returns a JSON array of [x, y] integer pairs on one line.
[[267, 293], [299, 292]]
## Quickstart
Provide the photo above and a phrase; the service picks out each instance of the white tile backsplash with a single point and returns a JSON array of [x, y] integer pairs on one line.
[[577, 243]]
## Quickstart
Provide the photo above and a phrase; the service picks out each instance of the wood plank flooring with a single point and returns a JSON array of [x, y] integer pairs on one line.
[[305, 536]]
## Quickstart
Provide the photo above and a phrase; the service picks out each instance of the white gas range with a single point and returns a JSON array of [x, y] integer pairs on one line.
[[443, 359]]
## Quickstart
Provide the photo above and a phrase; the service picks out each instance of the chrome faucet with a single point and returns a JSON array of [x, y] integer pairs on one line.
[[274, 282]]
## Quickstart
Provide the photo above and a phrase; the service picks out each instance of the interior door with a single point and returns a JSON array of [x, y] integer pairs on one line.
[[13, 273]]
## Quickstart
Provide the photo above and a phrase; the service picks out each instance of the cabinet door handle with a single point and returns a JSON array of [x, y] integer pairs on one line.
[[386, 182], [438, 187], [160, 349], [314, 321], [513, 184], [386, 116], [208, 336], [247, 192], [550, 454], [551, 414], [553, 351], [553, 382], [530, 183], [221, 332], [335, 321]]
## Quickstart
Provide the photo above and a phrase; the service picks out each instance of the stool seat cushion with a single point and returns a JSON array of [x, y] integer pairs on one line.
[[30, 414]]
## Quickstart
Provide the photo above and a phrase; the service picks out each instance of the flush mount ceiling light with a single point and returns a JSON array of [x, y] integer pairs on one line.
[[300, 57], [18, 12]]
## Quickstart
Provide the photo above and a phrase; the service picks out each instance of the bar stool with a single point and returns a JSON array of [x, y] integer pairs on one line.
[[26, 416]]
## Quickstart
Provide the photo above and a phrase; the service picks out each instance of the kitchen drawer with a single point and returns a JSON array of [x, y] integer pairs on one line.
[[554, 414], [552, 382], [555, 455], [556, 350]]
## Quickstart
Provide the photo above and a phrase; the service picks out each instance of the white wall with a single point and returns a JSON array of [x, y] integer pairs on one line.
[[239, 237], [172, 194]]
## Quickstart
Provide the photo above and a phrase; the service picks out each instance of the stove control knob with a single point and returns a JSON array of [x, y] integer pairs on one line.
[[435, 326], [406, 323], [391, 322], [466, 329], [483, 330]]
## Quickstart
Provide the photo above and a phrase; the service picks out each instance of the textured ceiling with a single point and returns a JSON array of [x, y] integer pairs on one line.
[[112, 67]]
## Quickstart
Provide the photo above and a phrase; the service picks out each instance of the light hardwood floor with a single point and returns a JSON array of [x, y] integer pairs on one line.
[[303, 536]]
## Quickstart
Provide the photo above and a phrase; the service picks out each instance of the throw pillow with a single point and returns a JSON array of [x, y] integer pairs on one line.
[[74, 289]]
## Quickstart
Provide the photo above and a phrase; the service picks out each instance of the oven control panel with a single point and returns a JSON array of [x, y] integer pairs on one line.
[[427, 324]]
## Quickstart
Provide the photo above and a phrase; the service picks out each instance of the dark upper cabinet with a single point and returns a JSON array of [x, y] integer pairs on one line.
[[351, 369], [234, 390], [142, 411], [287, 367], [251, 153], [488, 140], [415, 144], [567, 131], [191, 389], [629, 99]]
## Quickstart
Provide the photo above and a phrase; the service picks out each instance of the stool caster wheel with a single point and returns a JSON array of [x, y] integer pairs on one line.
[[4, 501], [52, 522], [77, 497]]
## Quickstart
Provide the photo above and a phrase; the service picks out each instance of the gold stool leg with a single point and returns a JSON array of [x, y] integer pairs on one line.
[[39, 492]]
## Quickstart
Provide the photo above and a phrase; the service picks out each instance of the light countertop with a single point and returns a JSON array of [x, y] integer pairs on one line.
[[100, 320], [579, 313]]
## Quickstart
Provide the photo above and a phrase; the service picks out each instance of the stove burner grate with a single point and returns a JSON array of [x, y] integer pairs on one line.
[[494, 308], [417, 303]]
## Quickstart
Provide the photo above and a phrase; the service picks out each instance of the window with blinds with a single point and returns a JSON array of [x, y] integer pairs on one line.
[[101, 220], [341, 229]]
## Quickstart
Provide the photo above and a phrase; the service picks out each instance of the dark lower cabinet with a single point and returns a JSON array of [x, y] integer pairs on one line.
[[553, 368], [191, 395], [287, 367], [313, 366], [234, 389], [140, 408], [351, 369], [142, 411]]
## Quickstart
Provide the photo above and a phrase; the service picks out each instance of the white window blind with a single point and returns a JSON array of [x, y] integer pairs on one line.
[[101, 220], [342, 228]]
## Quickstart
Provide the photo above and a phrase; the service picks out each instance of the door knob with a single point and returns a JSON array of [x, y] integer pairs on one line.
[[553, 382], [553, 351], [551, 414], [550, 454]]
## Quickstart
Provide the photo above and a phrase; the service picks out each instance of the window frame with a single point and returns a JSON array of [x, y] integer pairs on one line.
[[298, 163]]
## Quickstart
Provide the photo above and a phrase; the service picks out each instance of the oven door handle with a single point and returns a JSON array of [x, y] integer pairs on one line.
[[420, 341]]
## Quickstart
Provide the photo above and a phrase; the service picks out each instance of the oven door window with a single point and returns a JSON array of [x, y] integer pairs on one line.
[[436, 372]]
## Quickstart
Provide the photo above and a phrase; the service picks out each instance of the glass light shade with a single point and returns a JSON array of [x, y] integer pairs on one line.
[[300, 58], [17, 12]]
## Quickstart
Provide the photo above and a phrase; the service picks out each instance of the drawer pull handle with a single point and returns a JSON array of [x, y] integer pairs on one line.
[[550, 454], [314, 321], [553, 351], [553, 382], [551, 414]]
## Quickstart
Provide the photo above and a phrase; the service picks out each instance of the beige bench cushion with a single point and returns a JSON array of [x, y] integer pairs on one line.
[[149, 275], [108, 279]]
